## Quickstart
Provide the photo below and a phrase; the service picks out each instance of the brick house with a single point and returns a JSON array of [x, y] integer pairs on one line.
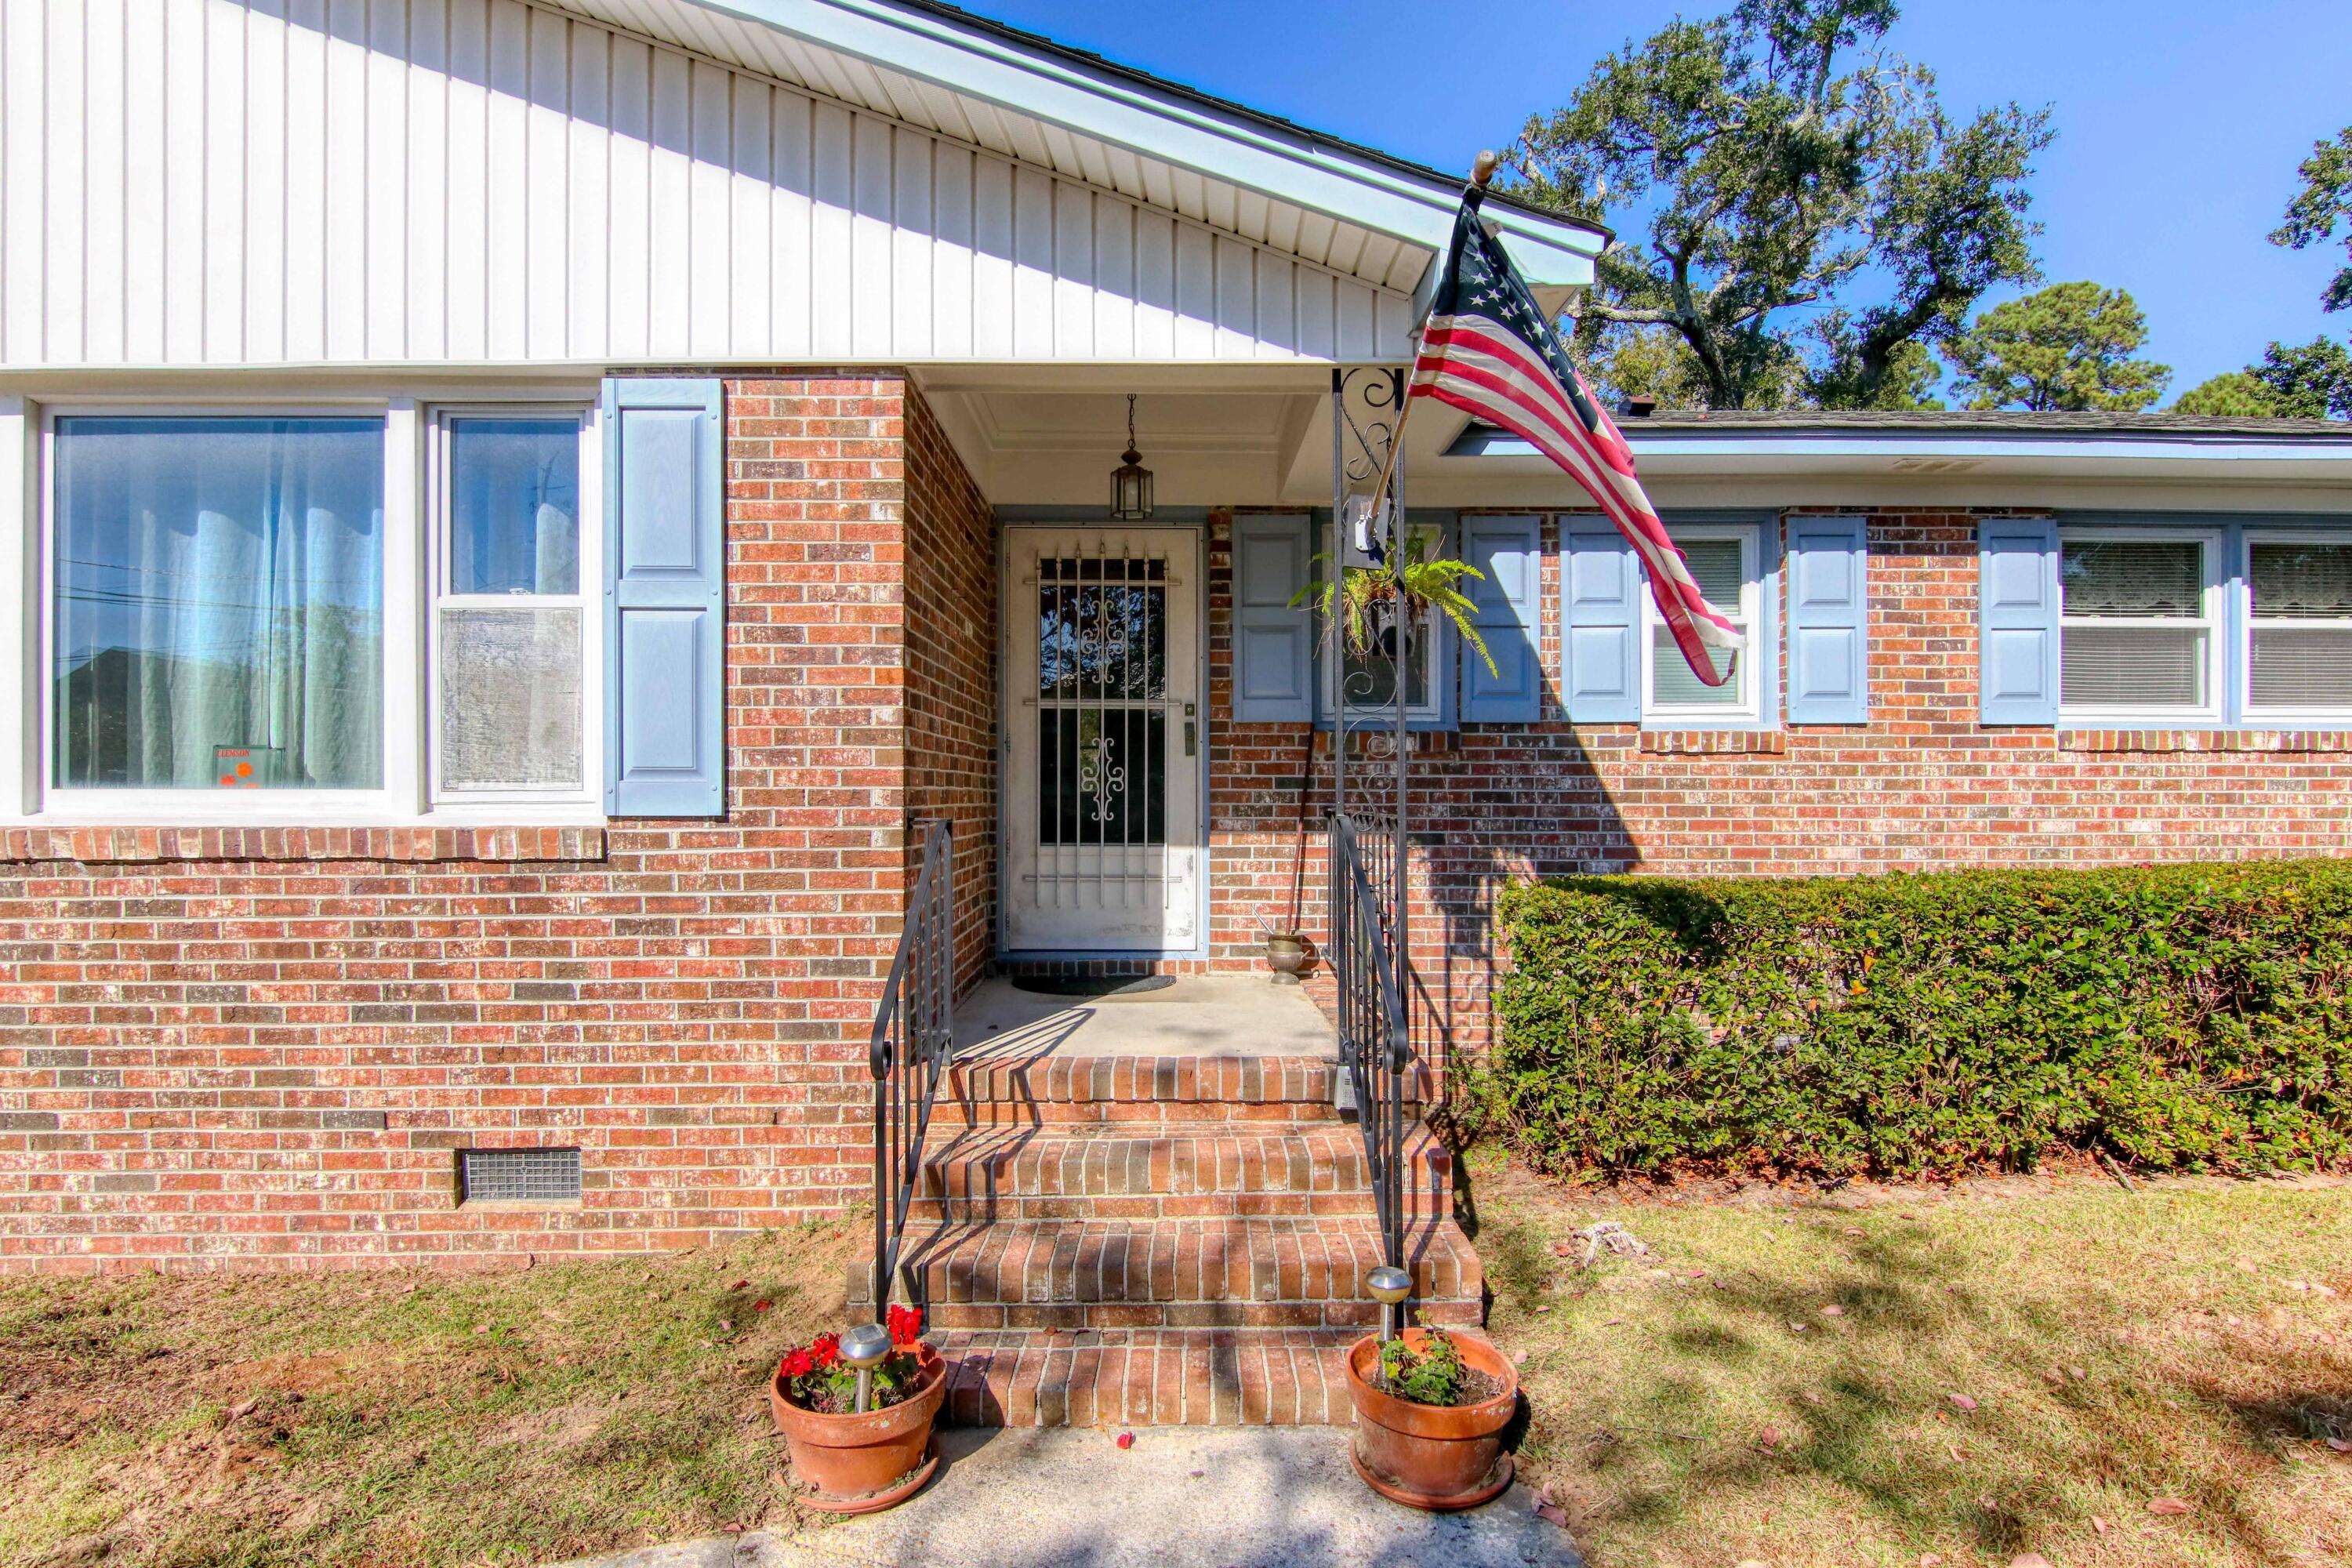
[[374, 887]]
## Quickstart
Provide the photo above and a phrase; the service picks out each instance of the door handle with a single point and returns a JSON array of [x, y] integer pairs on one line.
[[1191, 732]]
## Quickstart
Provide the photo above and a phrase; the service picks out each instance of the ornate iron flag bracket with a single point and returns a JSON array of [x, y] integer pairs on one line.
[[1368, 408], [1368, 860]]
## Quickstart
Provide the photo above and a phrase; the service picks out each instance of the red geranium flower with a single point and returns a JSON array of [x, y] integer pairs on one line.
[[906, 1326], [826, 1349], [798, 1363]]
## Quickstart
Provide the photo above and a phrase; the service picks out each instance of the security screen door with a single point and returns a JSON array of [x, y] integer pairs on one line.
[[1102, 826]]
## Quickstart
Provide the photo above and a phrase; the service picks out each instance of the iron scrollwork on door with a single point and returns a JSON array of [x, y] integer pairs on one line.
[[1100, 778], [1102, 699]]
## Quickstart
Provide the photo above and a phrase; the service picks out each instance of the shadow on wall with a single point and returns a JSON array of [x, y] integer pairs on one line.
[[1487, 807], [804, 143]]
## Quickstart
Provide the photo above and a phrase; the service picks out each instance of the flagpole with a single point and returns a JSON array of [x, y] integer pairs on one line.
[[1482, 169]]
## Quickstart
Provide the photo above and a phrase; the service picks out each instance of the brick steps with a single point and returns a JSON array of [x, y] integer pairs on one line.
[[1127, 1170], [1175, 1273], [1032, 1090], [1197, 1377], [1159, 1239]]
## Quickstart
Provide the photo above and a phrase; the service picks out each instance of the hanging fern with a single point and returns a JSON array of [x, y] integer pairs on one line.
[[1409, 575]]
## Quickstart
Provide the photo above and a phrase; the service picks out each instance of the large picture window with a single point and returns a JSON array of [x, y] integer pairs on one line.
[[510, 617], [2137, 627], [218, 603], [352, 613]]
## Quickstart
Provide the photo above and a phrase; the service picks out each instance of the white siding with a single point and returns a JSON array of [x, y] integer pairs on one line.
[[256, 181]]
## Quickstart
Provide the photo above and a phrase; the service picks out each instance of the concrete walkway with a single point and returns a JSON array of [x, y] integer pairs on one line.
[[1184, 1497]]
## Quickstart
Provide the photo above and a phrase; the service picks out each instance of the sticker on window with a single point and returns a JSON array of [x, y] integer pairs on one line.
[[248, 767]]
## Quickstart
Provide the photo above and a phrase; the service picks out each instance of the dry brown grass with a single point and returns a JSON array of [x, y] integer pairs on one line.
[[1776, 1382], [410, 1417], [401, 1417]]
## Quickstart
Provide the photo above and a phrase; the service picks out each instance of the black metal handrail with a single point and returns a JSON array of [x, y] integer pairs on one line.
[[1380, 852], [914, 1035], [1375, 1046]]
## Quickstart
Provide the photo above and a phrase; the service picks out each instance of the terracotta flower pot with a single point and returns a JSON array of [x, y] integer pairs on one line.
[[1440, 1458], [858, 1464]]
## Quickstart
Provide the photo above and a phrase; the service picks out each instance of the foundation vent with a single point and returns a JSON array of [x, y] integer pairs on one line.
[[518, 1175]]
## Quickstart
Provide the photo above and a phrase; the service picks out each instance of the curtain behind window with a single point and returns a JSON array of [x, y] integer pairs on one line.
[[219, 617]]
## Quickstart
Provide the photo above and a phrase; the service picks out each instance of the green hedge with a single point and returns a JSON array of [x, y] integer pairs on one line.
[[2194, 1016]]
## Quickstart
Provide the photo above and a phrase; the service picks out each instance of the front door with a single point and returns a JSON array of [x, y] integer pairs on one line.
[[1102, 800]]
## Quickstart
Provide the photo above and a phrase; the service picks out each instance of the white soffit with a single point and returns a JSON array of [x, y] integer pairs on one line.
[[1356, 212], [2115, 456]]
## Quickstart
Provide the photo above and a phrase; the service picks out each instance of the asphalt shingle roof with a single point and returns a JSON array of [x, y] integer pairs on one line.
[[1988, 421]]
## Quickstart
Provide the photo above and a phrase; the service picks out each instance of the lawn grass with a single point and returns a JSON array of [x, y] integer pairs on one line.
[[1707, 1405], [414, 1417], [408, 1416]]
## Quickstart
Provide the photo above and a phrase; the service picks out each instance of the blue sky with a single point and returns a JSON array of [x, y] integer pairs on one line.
[[2179, 124]]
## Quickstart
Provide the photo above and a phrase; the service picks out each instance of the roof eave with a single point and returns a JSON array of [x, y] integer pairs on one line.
[[1902, 455], [1163, 120]]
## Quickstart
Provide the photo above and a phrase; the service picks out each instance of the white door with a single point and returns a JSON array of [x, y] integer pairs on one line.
[[1102, 800]]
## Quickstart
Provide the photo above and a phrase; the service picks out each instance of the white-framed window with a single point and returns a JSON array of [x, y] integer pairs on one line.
[[516, 658], [2139, 627], [1369, 679], [333, 612], [1726, 562], [212, 616], [1366, 681], [2298, 618]]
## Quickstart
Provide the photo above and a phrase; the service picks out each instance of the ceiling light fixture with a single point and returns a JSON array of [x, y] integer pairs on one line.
[[1131, 482]]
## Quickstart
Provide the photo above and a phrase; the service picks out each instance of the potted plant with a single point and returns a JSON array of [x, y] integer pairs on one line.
[[861, 1453], [1431, 1408], [1404, 583]]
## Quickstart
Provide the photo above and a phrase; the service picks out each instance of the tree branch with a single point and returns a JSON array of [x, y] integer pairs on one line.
[[1629, 317], [1696, 331]]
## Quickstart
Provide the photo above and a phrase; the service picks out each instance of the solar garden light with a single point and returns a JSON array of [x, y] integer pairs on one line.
[[864, 1347], [1390, 1286]]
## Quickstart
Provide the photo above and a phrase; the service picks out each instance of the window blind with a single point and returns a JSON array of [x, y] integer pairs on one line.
[[2300, 652]]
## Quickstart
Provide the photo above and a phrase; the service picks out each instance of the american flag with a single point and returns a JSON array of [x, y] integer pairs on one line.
[[1488, 350]]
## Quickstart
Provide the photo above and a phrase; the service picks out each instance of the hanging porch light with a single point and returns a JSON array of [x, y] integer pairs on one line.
[[1131, 482]]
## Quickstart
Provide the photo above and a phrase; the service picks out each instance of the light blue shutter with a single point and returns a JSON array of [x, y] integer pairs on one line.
[[2017, 652], [1273, 641], [1828, 608], [1510, 618], [1601, 588], [665, 590]]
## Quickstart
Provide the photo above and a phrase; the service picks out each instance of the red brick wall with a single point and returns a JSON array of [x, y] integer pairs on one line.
[[1265, 821], [263, 1046], [1922, 787], [951, 694]]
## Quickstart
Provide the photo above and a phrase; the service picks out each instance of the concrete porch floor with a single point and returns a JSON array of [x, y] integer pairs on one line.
[[1199, 1015]]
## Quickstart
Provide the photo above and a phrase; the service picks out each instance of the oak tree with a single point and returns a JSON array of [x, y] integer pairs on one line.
[[2307, 381], [2314, 380], [2320, 207], [1781, 153]]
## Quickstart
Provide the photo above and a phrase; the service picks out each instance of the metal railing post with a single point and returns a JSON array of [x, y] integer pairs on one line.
[[908, 1048], [1375, 1048]]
